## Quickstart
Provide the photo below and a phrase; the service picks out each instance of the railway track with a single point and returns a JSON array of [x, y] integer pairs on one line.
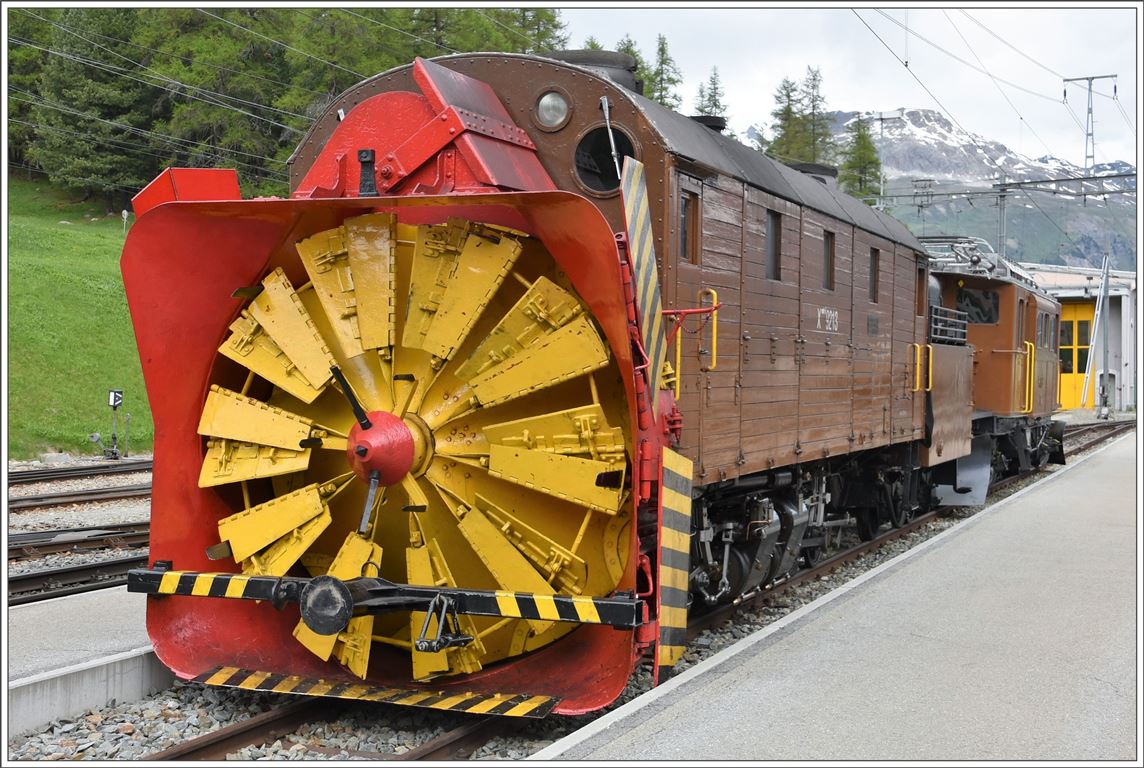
[[57, 582], [78, 497], [48, 475], [24, 546], [458, 743]]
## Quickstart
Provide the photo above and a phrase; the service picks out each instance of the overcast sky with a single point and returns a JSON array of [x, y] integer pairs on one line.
[[754, 48]]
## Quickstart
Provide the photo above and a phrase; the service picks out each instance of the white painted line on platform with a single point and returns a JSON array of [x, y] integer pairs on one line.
[[554, 750]]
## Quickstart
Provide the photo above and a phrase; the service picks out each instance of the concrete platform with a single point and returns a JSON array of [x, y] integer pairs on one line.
[[1012, 636], [72, 653]]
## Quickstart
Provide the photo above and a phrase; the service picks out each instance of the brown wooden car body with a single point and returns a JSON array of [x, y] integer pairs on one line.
[[832, 354]]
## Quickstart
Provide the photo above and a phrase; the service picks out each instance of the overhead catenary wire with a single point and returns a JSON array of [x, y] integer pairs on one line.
[[949, 114], [102, 182], [186, 145], [112, 69], [305, 15], [956, 57], [156, 74], [1005, 42], [516, 32], [402, 31], [995, 83], [184, 59], [358, 75]]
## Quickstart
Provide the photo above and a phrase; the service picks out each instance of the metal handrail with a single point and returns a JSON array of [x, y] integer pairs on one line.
[[948, 326]]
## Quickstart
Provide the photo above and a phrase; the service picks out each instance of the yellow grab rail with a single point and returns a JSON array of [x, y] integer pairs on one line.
[[929, 376], [1030, 366], [917, 367], [714, 324]]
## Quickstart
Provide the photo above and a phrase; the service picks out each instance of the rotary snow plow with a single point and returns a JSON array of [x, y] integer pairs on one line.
[[396, 435]]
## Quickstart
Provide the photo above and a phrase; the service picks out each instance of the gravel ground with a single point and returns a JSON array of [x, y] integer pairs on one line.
[[69, 559], [78, 484], [81, 515], [184, 711]]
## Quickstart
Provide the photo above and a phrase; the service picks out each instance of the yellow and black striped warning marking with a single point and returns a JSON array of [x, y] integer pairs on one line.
[[507, 704], [674, 556], [586, 610], [642, 247], [619, 611], [232, 585]]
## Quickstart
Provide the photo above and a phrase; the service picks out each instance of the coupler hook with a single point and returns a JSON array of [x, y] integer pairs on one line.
[[445, 611]]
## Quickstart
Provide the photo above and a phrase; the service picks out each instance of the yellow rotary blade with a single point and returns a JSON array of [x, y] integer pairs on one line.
[[228, 461], [227, 414], [452, 282], [426, 566], [281, 313], [543, 308], [573, 350], [557, 564], [511, 570], [326, 259], [370, 242], [251, 346], [581, 431], [284, 527], [597, 485]]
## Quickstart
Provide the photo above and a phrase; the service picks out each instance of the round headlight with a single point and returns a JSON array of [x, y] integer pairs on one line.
[[551, 109]]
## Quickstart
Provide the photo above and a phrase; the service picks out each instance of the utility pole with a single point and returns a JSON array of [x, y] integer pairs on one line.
[[1089, 141], [1001, 216], [882, 117], [1106, 411]]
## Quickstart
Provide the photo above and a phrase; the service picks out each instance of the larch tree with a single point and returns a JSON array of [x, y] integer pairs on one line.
[[861, 167], [819, 142], [788, 126], [710, 98], [665, 77]]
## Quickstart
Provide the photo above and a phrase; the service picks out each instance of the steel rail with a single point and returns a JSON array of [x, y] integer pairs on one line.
[[255, 731], [1114, 431], [23, 546], [45, 475], [18, 503], [35, 586]]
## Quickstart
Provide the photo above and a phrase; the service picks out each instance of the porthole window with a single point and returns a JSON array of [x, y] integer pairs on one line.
[[595, 166]]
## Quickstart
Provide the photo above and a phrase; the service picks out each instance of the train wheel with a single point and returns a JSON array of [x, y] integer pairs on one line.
[[891, 499], [867, 523], [431, 404]]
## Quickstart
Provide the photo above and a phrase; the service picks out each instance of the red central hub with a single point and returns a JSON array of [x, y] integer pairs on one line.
[[387, 446]]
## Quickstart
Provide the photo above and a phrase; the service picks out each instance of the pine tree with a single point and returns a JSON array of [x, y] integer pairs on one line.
[[247, 126], [665, 76], [788, 144], [90, 115], [819, 143], [592, 44], [710, 100], [861, 167], [28, 37]]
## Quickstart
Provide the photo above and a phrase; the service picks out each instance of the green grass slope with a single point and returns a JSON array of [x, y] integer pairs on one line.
[[70, 338]]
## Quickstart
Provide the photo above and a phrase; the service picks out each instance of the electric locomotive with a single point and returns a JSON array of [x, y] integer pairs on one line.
[[526, 367]]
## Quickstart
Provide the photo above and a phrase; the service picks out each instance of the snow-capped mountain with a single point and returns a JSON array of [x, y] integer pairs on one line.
[[924, 144]]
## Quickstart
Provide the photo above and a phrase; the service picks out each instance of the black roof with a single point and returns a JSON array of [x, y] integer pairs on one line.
[[694, 141]]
